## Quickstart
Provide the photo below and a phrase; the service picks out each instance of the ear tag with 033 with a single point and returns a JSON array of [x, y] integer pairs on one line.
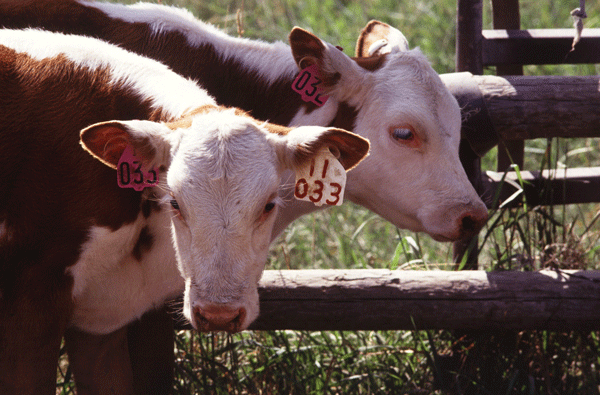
[[131, 174], [321, 180]]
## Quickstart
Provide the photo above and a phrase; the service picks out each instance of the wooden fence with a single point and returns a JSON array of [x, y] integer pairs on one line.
[[499, 110], [392, 300]]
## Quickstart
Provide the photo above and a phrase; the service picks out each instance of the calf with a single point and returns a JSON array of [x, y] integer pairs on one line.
[[388, 94], [122, 185]]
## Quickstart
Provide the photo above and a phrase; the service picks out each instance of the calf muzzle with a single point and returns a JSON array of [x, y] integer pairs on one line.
[[471, 223], [215, 318]]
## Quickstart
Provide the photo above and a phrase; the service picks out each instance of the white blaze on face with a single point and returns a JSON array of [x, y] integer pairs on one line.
[[224, 178], [413, 176]]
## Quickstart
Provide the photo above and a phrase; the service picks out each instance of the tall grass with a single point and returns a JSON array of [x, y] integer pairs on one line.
[[406, 362]]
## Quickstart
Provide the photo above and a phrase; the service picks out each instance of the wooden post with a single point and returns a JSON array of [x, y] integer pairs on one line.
[[506, 16], [468, 58], [469, 37]]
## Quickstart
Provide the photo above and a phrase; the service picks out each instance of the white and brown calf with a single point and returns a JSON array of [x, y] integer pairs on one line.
[[77, 249], [387, 93]]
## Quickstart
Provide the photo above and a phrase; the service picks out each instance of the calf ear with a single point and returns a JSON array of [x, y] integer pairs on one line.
[[378, 38], [106, 141], [304, 142], [308, 49]]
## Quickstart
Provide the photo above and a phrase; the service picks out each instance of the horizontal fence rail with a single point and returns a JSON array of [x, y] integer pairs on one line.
[[560, 186], [520, 108], [525, 107], [405, 300], [539, 46]]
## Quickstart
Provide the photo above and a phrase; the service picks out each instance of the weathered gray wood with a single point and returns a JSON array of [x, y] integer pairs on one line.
[[560, 186], [525, 107], [549, 106], [539, 46], [473, 300]]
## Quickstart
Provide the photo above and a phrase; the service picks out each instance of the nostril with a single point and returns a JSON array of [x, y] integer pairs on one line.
[[469, 225], [202, 324], [239, 320]]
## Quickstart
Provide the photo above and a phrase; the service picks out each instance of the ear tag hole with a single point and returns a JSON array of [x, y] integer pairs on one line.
[[132, 174], [321, 180], [335, 152]]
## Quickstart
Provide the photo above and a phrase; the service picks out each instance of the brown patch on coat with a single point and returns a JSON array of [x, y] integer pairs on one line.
[[143, 244], [345, 118]]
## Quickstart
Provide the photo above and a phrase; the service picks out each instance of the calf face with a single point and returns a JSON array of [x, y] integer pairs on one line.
[[222, 175], [413, 177]]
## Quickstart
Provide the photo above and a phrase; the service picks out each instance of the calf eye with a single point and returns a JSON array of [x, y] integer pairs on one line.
[[269, 207], [267, 211], [174, 204], [406, 136], [403, 134]]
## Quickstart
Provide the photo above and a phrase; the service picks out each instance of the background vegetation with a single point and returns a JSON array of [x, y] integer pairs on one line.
[[411, 362]]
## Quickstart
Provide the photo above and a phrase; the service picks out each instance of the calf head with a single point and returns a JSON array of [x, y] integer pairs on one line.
[[220, 173], [413, 177]]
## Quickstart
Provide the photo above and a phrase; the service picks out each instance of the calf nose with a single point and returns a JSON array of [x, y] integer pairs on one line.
[[471, 222], [213, 318]]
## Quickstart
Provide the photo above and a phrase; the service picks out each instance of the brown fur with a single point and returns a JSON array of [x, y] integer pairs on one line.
[[52, 192], [374, 31], [228, 82]]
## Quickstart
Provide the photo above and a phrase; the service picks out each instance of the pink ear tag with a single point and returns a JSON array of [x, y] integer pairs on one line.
[[307, 85], [130, 173]]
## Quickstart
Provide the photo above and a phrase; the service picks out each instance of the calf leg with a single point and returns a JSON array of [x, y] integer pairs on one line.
[[138, 359], [100, 363], [32, 323], [151, 349]]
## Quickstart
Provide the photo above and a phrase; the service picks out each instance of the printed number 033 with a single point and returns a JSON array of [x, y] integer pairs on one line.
[[316, 193]]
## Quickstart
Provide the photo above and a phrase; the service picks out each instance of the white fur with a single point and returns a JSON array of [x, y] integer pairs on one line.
[[111, 288], [222, 170], [272, 61], [220, 247], [429, 181], [149, 78], [320, 116]]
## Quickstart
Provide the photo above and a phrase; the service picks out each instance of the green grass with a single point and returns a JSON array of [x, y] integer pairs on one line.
[[406, 362]]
